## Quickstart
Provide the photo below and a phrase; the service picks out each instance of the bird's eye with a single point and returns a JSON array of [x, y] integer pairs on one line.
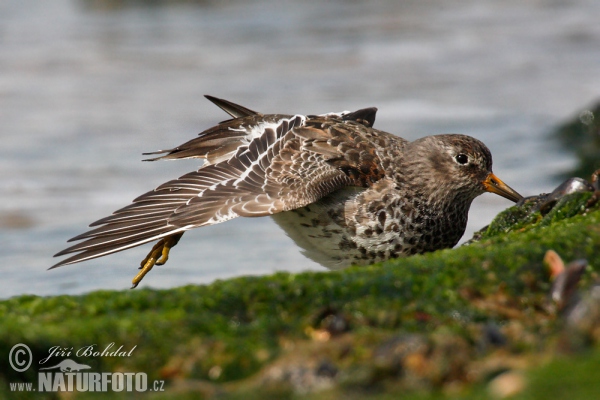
[[462, 159]]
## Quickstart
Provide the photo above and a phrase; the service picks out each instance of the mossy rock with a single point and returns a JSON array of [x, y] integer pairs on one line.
[[428, 326]]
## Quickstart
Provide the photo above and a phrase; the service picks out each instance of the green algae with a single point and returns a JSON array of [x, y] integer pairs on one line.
[[415, 325]]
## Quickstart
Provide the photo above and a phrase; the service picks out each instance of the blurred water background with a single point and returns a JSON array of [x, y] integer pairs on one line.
[[87, 86]]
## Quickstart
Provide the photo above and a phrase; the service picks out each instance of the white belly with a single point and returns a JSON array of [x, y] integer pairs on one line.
[[321, 234]]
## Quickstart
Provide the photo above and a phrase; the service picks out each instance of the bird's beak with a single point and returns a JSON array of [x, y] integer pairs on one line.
[[494, 185]]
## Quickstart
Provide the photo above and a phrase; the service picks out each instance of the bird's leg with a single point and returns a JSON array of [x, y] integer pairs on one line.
[[170, 242], [162, 249]]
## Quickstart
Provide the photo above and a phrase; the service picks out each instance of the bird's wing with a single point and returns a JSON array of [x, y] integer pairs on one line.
[[234, 110], [264, 165]]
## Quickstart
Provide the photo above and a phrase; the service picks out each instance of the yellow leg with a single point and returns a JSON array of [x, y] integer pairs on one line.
[[162, 249], [170, 242]]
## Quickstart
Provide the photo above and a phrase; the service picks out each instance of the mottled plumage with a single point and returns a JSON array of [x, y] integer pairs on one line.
[[344, 191]]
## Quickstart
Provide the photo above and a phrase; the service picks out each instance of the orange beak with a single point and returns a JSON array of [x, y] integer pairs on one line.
[[494, 185]]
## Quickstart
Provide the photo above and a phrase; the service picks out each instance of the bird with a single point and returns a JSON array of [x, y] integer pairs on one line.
[[345, 192]]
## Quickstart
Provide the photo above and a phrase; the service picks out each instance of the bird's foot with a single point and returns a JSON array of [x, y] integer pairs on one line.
[[162, 249]]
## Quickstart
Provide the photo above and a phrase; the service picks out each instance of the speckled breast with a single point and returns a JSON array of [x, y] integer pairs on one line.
[[343, 229]]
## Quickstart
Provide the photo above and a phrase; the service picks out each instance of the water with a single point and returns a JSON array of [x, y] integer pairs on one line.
[[84, 91]]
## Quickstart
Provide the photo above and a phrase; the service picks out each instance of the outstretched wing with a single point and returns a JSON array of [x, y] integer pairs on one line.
[[256, 166]]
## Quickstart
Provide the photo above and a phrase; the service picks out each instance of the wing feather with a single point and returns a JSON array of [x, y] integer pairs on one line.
[[257, 165]]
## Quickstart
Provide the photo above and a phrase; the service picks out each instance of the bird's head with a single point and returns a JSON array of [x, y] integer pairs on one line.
[[456, 164]]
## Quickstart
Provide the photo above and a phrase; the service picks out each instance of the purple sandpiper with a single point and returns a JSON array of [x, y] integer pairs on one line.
[[345, 192]]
